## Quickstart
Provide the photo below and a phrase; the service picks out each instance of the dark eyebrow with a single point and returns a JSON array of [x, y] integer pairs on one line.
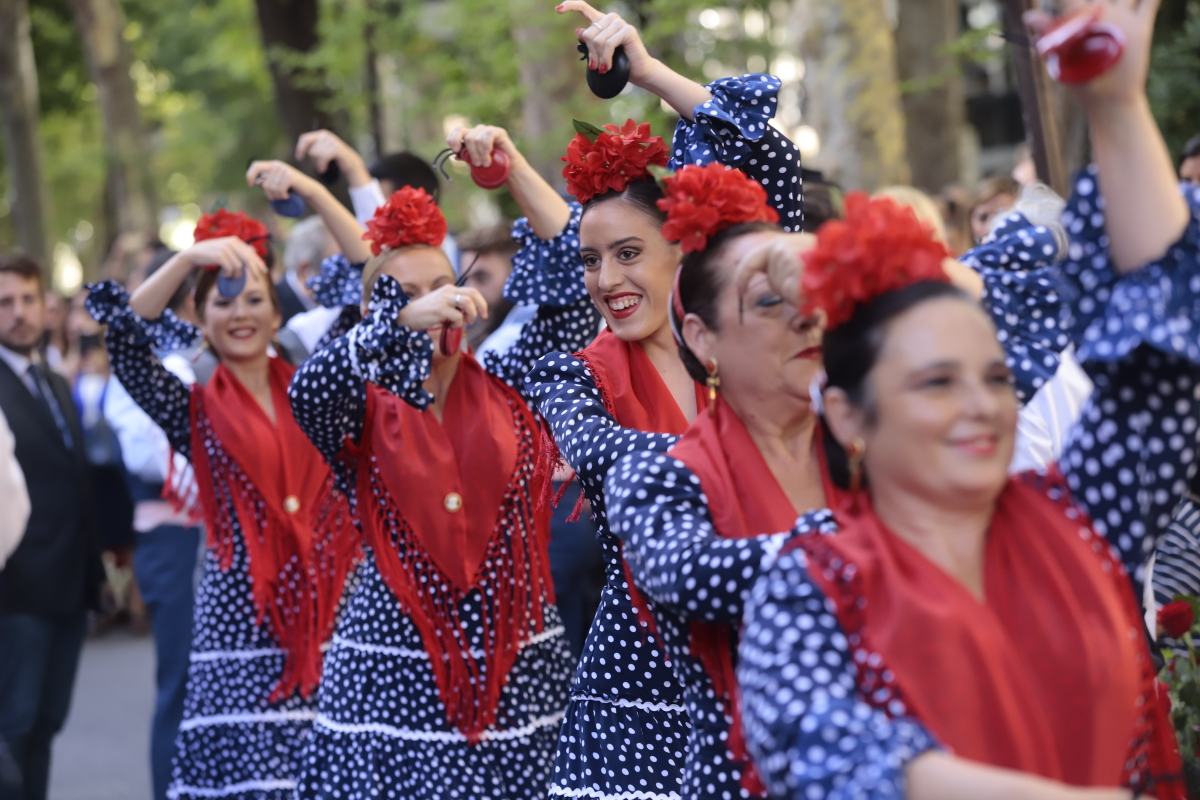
[[626, 240]]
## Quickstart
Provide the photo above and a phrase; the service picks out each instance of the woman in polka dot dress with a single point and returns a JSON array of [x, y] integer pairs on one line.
[[626, 728], [965, 632], [447, 675], [281, 538]]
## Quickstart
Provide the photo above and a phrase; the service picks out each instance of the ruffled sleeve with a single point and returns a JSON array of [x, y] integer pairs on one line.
[[658, 509], [328, 391], [547, 274], [1157, 305], [134, 346], [733, 128], [1127, 460], [1022, 292], [338, 284], [812, 733]]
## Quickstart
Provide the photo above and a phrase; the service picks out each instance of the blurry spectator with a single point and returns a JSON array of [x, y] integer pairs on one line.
[[51, 579], [1189, 161], [487, 254], [1025, 170], [994, 196], [14, 511], [822, 199], [308, 244], [923, 206], [955, 204], [55, 346], [167, 542]]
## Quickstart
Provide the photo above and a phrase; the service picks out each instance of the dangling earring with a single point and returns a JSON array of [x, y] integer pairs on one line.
[[714, 386], [855, 456]]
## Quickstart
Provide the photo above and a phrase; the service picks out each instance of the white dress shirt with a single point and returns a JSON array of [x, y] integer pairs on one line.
[[1048, 418], [14, 510]]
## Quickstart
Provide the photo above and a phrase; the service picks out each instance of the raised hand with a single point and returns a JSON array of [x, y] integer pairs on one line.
[[456, 306], [324, 147], [277, 178], [780, 260], [229, 254], [476, 144], [604, 34]]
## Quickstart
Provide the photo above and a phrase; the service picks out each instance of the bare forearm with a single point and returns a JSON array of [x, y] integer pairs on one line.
[[341, 223], [154, 295], [940, 776], [547, 212], [1144, 211], [681, 93]]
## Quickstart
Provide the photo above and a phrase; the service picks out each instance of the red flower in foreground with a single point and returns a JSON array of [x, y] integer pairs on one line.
[[616, 158], [222, 223], [700, 201], [409, 217], [878, 246], [1176, 618]]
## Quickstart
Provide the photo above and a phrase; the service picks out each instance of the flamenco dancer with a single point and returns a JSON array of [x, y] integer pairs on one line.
[[280, 536], [967, 632], [447, 675], [626, 727]]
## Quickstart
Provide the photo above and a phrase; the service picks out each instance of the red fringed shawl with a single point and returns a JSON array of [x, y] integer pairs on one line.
[[297, 529], [1049, 674], [445, 505], [744, 500]]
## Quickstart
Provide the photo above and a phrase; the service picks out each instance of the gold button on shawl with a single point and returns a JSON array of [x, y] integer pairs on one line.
[[291, 504], [453, 502]]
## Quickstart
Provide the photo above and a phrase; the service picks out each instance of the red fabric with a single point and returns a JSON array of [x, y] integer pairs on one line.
[[299, 556], [1047, 675], [744, 500], [637, 397], [485, 451]]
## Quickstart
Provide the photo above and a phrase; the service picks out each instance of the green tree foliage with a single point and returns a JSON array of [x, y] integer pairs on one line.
[[1174, 85]]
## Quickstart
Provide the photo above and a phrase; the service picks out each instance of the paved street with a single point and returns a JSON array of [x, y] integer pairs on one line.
[[102, 752]]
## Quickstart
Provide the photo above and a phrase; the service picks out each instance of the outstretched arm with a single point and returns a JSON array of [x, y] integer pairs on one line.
[[278, 178]]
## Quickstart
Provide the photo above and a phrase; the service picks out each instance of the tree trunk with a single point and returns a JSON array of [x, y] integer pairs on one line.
[[853, 97], [933, 98], [549, 74], [131, 191], [22, 145], [289, 27]]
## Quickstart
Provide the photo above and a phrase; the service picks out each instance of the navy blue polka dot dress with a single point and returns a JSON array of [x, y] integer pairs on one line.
[[381, 730], [814, 731], [626, 728], [233, 743]]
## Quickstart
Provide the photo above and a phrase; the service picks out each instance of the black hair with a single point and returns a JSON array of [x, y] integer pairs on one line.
[[822, 200], [1191, 149], [643, 194], [406, 169], [699, 285], [852, 349]]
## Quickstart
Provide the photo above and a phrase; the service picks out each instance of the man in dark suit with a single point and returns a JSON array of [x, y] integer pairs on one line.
[[53, 576]]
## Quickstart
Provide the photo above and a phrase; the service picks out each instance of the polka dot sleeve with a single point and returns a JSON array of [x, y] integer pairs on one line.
[[131, 343], [658, 509], [328, 391], [733, 128], [590, 440], [811, 733], [1023, 295], [339, 283], [548, 274], [1127, 461]]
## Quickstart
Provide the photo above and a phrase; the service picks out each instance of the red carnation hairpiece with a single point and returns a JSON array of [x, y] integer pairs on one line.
[[409, 217], [878, 246], [611, 158], [700, 201], [233, 223]]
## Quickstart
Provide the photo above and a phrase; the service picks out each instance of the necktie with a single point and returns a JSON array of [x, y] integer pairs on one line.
[[46, 395]]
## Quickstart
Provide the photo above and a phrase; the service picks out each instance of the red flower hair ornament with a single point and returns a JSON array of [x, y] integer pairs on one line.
[[701, 201], [222, 223], [409, 217], [878, 246], [609, 159]]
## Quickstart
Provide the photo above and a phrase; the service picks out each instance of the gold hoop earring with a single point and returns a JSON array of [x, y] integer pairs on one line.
[[714, 386], [858, 449]]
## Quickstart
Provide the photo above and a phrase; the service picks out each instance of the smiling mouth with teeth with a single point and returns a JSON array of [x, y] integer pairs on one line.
[[623, 303]]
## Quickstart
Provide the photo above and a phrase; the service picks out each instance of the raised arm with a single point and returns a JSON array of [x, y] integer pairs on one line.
[[277, 179], [591, 441], [604, 33], [324, 148], [131, 342], [328, 391], [657, 507]]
